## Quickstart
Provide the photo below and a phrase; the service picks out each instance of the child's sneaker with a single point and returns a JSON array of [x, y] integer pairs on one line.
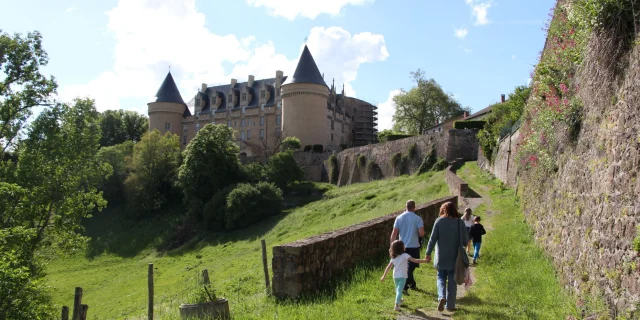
[[397, 308], [475, 261], [441, 305]]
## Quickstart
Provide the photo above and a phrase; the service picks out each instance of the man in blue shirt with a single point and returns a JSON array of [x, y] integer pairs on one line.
[[410, 227]]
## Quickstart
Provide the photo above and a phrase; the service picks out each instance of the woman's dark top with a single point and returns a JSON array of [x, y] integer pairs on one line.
[[476, 232]]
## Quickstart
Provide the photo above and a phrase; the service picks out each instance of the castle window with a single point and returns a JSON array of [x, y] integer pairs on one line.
[[279, 104], [197, 127], [261, 133], [332, 137], [184, 128], [278, 119], [197, 102], [228, 123], [230, 98], [243, 110], [244, 96], [184, 140], [261, 121], [167, 126], [331, 124], [263, 94], [248, 134], [242, 123], [242, 135]]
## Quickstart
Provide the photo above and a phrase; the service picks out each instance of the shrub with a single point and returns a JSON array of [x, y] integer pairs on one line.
[[395, 160], [214, 214], [253, 172], [248, 204], [403, 166], [362, 161], [469, 124], [334, 172], [307, 148], [291, 143], [413, 150], [392, 137], [427, 162], [373, 171], [283, 169], [440, 164], [318, 148]]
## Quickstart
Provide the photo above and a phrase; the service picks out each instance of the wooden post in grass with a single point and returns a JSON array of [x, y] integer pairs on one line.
[[77, 301], [150, 282], [205, 277], [83, 311], [264, 262], [65, 313]]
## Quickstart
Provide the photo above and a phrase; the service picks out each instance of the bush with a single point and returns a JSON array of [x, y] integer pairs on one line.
[[395, 161], [404, 164], [318, 148], [283, 169], [253, 172], [393, 137], [469, 124], [362, 161], [214, 214], [248, 204], [390, 135], [427, 162], [413, 150], [440, 164], [373, 171], [334, 172], [119, 158], [290, 143], [307, 148]]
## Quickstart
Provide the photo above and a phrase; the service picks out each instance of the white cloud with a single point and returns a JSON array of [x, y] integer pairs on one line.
[[291, 9], [460, 32], [386, 110], [152, 36], [479, 10], [70, 9], [467, 50]]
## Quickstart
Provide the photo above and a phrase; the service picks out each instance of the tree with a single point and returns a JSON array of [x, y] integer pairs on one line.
[[282, 169], [423, 106], [119, 158], [51, 188], [154, 168], [211, 162], [22, 86], [291, 143], [119, 126]]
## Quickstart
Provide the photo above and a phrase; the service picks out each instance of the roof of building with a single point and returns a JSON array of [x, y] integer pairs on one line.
[[222, 91], [480, 113], [168, 91], [307, 70]]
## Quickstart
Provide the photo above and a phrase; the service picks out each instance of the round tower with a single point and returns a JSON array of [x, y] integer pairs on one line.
[[167, 112], [304, 103]]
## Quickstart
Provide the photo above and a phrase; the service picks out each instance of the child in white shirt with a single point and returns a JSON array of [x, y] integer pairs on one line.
[[399, 262]]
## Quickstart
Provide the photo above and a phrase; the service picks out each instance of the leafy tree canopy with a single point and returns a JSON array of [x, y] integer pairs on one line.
[[119, 126], [423, 106]]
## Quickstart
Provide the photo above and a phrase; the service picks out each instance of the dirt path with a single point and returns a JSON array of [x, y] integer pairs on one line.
[[420, 313]]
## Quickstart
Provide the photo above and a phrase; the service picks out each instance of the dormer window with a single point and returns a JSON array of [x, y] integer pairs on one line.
[[197, 104], [263, 94], [230, 98], [244, 96]]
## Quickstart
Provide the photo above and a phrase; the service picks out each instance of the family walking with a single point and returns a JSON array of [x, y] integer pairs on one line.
[[449, 237]]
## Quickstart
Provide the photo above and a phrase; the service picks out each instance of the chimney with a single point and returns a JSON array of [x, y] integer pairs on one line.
[[502, 98], [251, 78], [204, 88], [233, 82], [279, 75], [465, 115]]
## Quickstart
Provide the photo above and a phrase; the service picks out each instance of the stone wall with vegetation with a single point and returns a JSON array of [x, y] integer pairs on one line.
[[505, 165], [312, 164], [579, 153], [376, 161], [457, 186], [306, 266]]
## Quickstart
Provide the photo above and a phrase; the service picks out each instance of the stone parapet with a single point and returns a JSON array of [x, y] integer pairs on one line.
[[306, 266]]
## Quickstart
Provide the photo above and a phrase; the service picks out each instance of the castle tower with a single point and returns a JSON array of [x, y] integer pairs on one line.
[[166, 113], [304, 103]]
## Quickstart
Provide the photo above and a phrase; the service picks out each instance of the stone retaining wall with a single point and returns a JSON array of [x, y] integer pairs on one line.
[[306, 266], [457, 186]]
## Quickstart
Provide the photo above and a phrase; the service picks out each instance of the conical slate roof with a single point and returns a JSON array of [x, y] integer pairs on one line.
[[168, 91], [307, 70]]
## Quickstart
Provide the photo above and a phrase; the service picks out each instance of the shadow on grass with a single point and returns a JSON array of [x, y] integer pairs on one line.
[[472, 194], [493, 310]]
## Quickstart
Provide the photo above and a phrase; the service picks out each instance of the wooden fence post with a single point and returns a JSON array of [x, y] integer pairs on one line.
[[150, 282], [65, 313], [77, 301], [83, 311], [205, 276], [264, 262]]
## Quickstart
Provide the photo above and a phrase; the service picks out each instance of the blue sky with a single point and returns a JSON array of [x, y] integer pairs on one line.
[[118, 52]]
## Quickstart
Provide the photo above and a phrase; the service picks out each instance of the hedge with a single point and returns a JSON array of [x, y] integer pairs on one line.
[[393, 137], [469, 124]]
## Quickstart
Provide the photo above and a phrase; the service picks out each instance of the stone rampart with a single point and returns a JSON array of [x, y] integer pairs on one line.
[[457, 186], [312, 164], [504, 166], [307, 265]]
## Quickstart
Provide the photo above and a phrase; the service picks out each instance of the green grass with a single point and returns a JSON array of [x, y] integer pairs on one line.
[[515, 279], [113, 270]]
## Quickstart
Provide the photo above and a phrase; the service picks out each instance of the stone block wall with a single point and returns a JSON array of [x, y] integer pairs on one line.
[[504, 165], [312, 164], [457, 186], [450, 145], [307, 265]]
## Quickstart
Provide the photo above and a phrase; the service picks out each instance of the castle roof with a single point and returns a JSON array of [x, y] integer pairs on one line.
[[307, 70], [222, 90], [168, 91]]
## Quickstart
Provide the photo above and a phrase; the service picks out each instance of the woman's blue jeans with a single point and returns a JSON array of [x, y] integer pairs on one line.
[[447, 290]]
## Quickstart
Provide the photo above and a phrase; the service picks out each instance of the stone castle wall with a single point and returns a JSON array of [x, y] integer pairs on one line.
[[450, 145], [306, 266], [504, 166]]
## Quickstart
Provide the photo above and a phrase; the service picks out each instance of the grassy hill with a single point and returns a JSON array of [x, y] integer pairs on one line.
[[113, 269]]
